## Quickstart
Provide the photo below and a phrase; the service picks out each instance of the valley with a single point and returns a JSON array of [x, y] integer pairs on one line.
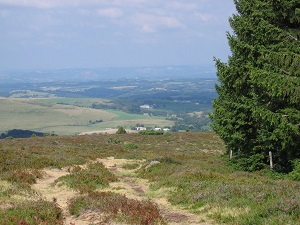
[[73, 107]]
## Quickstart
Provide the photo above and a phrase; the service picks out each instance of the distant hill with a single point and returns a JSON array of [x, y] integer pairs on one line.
[[100, 74]]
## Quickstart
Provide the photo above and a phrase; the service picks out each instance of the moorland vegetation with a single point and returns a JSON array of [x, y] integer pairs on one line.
[[193, 173]]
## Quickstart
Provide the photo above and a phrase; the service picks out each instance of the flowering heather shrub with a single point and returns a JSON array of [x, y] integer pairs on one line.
[[40, 212], [130, 145], [118, 208], [84, 180], [21, 177]]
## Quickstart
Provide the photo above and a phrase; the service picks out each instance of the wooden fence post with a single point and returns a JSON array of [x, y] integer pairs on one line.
[[230, 156], [271, 160]]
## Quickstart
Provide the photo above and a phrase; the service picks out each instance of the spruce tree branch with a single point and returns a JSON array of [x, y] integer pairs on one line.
[[291, 36], [287, 73]]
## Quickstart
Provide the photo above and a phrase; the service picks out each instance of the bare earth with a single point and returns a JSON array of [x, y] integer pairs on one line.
[[128, 184]]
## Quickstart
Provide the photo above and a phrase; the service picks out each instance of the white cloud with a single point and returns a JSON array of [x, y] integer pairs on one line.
[[148, 28], [205, 17], [110, 12], [97, 28], [183, 6], [152, 23], [170, 22], [28, 3], [71, 3]]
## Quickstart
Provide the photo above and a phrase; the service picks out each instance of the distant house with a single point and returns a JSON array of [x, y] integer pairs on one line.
[[141, 128], [145, 106], [166, 129], [157, 129]]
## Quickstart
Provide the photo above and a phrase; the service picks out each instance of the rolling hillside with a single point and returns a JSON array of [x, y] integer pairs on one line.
[[33, 114]]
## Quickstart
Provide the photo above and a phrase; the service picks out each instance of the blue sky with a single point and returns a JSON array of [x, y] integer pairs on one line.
[[53, 34]]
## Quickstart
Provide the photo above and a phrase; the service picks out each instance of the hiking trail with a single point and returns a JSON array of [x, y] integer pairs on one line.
[[129, 184]]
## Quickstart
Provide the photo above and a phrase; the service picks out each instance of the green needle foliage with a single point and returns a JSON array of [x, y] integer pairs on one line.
[[258, 108]]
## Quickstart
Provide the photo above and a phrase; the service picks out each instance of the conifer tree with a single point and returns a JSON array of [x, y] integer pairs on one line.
[[258, 107]]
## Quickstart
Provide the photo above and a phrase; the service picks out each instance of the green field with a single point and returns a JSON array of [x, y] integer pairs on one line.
[[81, 102], [65, 118]]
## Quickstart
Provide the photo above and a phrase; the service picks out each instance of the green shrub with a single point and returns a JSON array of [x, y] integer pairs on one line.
[[130, 145], [121, 130], [113, 141], [85, 180], [25, 177], [167, 134], [251, 163], [295, 174], [130, 166], [41, 212], [167, 160]]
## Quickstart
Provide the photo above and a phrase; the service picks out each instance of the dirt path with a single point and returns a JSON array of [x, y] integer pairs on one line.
[[138, 188], [59, 193], [128, 184]]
